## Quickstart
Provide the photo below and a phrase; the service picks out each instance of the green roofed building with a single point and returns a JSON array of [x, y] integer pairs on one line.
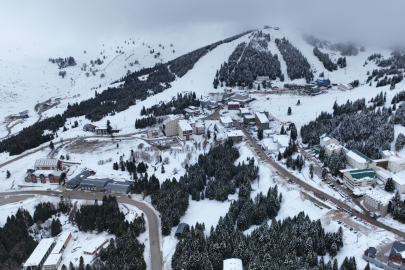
[[316, 149], [359, 178], [357, 160]]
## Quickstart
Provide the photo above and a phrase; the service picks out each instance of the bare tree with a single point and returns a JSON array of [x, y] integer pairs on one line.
[[141, 145], [166, 160], [189, 155], [175, 171]]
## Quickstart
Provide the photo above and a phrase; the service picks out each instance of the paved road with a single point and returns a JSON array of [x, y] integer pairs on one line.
[[154, 232], [308, 187]]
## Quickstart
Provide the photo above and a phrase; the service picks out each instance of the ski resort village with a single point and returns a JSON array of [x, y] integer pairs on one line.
[[267, 148]]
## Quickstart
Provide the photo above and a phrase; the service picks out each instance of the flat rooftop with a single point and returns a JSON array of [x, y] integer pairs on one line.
[[39, 253]]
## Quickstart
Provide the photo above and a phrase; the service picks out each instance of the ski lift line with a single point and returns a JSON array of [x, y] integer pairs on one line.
[[111, 62]]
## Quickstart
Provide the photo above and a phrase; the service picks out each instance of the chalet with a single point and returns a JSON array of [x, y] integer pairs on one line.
[[233, 105], [397, 253], [261, 120], [371, 252], [359, 178], [235, 135], [48, 164], [180, 230]]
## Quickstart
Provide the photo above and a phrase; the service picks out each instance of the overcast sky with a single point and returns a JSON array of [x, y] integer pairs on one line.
[[367, 22]]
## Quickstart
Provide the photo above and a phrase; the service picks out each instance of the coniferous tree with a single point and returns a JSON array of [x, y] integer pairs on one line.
[[8, 174], [389, 185], [260, 134], [279, 156], [51, 145], [289, 111], [367, 266]]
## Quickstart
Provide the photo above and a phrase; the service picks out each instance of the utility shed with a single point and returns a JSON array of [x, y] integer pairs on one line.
[[233, 264], [180, 229], [39, 255]]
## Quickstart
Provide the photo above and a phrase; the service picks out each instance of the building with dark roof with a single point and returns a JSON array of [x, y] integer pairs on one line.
[[89, 127], [180, 230], [370, 252], [75, 181], [118, 187], [397, 253], [94, 184], [323, 82]]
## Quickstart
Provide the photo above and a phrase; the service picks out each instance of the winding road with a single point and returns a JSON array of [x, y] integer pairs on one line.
[[309, 187], [153, 222]]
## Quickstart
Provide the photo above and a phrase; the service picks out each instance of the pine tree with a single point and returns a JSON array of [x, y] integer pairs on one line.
[[389, 185], [333, 250], [8, 174], [208, 134], [282, 130], [260, 134], [81, 263], [311, 171], [51, 145], [289, 111], [367, 266], [324, 173], [163, 169], [109, 128], [279, 156], [299, 102]]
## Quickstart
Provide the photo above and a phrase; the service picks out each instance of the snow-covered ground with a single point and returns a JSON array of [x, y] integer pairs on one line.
[[75, 248]]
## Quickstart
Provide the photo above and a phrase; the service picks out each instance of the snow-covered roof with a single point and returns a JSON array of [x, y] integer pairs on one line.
[[262, 118], [361, 175], [46, 162], [270, 144], [397, 160], [333, 146], [386, 153], [233, 103], [325, 137], [47, 172], [60, 242], [171, 117], [359, 157], [180, 228], [226, 120], [233, 264], [121, 186], [93, 246], [381, 196], [199, 124], [249, 116], [398, 249], [398, 179], [184, 125], [235, 133], [39, 252], [53, 259], [244, 110], [385, 174]]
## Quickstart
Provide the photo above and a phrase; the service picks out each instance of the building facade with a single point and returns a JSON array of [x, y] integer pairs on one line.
[[235, 135], [325, 140], [262, 121], [397, 251], [357, 160], [249, 119], [359, 178], [233, 105], [377, 201], [185, 130], [43, 176], [170, 125]]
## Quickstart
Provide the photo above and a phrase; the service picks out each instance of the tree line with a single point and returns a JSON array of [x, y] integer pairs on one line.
[[297, 65], [368, 129], [174, 106]]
